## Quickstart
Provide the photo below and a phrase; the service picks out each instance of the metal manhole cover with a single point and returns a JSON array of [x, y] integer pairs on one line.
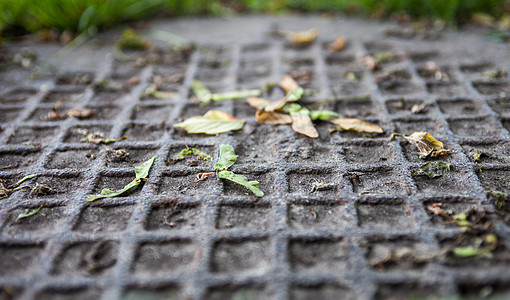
[[343, 216]]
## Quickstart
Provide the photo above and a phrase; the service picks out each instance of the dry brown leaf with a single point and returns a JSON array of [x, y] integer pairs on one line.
[[426, 144], [301, 123], [273, 118], [258, 103], [338, 44], [81, 113], [302, 38], [288, 84], [369, 61], [356, 125], [276, 105]]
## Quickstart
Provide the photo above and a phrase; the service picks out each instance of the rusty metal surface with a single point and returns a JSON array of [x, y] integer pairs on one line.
[[176, 238]]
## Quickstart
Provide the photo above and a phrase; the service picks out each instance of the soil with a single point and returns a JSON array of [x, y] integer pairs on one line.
[[174, 216], [47, 218], [104, 219], [86, 258], [255, 217], [240, 256], [68, 294], [19, 259]]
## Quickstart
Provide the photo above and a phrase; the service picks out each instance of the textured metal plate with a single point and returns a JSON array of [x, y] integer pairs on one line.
[[176, 238]]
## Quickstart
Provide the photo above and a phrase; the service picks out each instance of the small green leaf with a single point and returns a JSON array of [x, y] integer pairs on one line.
[[468, 251], [461, 219], [29, 212], [226, 158], [201, 91], [240, 94], [192, 151], [141, 172], [351, 77], [295, 95], [24, 179], [242, 180], [212, 122], [433, 169], [323, 115]]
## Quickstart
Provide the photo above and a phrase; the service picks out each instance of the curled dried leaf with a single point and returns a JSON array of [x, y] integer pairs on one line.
[[257, 102], [273, 117], [203, 176], [81, 113], [301, 123], [356, 125], [427, 145], [288, 84], [302, 38], [338, 44]]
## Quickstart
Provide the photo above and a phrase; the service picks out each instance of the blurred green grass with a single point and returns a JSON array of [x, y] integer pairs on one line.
[[22, 16]]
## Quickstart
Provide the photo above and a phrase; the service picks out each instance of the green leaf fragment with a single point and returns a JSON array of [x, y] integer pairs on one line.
[[468, 251], [242, 180], [24, 179], [227, 157], [201, 91], [461, 219], [141, 172], [240, 94], [29, 212], [433, 169], [351, 77], [295, 95], [323, 115], [192, 151]]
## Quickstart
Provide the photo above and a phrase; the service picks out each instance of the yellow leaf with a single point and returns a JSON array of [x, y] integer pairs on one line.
[[273, 118], [213, 122], [356, 125], [425, 142], [338, 44], [303, 38], [301, 123], [288, 84]]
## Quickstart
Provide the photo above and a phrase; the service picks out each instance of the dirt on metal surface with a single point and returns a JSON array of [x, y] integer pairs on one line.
[[344, 216]]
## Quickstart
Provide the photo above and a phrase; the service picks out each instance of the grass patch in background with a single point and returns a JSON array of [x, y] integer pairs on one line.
[[78, 16]]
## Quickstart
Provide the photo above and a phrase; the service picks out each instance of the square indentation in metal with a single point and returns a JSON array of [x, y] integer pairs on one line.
[[104, 218], [174, 216], [498, 152], [182, 183], [253, 292], [153, 113], [453, 182], [18, 159], [369, 152], [86, 258], [163, 292], [499, 289], [492, 87], [69, 158], [64, 96], [44, 220], [241, 255], [317, 183], [78, 134], [192, 160], [320, 255], [497, 179], [315, 215], [9, 114], [32, 135], [145, 132], [75, 78], [412, 154], [127, 156], [397, 253], [17, 96], [18, 258], [61, 293], [500, 106], [406, 290], [164, 257], [60, 187], [377, 215], [110, 97], [460, 107], [357, 108], [328, 291], [446, 89], [244, 216], [403, 107], [382, 181]]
